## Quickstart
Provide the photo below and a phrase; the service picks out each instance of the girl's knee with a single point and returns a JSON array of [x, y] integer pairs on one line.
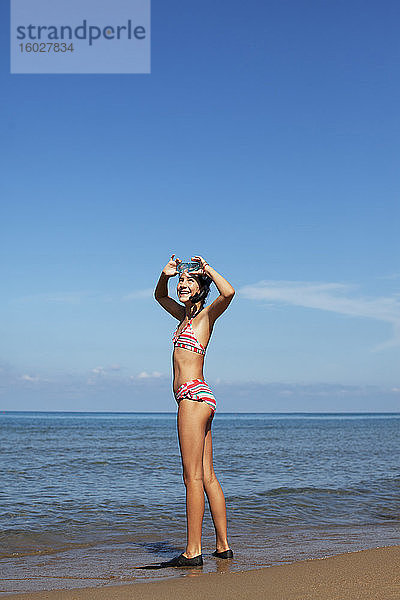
[[190, 476]]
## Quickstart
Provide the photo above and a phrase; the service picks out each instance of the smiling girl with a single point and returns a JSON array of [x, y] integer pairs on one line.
[[196, 402]]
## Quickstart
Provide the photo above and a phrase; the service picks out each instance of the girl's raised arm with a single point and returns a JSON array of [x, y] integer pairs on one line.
[[161, 291], [226, 291]]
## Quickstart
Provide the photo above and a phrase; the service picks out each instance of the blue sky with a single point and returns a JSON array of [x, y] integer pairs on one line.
[[265, 139]]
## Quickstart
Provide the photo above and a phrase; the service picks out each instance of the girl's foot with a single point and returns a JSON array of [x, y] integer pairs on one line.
[[184, 561], [224, 554]]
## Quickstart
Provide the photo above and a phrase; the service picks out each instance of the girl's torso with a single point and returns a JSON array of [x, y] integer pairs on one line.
[[190, 342]]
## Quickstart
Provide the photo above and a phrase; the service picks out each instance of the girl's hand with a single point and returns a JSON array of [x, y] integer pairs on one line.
[[171, 268], [203, 265]]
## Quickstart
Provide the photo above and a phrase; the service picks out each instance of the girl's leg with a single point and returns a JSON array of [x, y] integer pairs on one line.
[[215, 494], [192, 421]]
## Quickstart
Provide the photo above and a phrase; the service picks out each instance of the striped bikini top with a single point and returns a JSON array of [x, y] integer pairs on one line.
[[186, 339]]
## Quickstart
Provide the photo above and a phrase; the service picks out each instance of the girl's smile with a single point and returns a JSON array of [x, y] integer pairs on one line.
[[187, 286]]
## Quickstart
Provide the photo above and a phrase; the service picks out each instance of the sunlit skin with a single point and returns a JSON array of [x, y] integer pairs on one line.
[[194, 422], [187, 366]]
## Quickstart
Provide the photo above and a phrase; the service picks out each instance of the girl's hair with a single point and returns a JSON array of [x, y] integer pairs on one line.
[[204, 283]]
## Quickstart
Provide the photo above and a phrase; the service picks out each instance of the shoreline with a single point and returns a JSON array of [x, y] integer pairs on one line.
[[371, 574]]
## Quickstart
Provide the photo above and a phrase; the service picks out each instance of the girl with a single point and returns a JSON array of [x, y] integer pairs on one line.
[[196, 402]]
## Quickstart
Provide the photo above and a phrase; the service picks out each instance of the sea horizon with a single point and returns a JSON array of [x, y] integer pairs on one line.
[[159, 412]]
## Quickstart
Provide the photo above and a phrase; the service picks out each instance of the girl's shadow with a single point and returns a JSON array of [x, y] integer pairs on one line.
[[162, 547]]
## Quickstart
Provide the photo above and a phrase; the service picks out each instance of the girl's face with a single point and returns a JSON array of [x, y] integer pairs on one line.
[[187, 286]]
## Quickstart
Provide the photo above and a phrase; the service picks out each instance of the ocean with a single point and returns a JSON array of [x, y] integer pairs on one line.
[[87, 498]]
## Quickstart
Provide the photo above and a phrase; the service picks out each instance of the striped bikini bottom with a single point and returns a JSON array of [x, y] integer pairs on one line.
[[197, 390]]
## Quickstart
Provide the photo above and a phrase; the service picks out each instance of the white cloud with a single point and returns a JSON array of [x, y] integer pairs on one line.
[[391, 276], [139, 294], [29, 378], [74, 391], [152, 375], [98, 370], [333, 297], [104, 370], [143, 375]]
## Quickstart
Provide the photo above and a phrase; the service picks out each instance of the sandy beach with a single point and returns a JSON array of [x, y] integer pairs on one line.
[[366, 575]]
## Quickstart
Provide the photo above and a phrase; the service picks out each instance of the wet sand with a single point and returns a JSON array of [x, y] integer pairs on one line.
[[369, 574]]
